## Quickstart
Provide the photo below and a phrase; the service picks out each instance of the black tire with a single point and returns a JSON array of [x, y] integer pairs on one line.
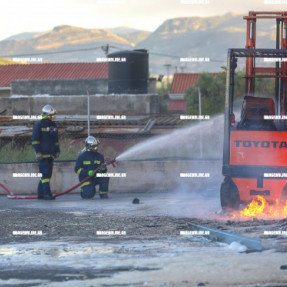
[[74, 129], [229, 195]]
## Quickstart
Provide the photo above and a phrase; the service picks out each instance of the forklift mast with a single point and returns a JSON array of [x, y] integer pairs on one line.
[[280, 71], [255, 146]]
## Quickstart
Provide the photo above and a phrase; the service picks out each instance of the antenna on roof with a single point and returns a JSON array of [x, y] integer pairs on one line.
[[106, 49]]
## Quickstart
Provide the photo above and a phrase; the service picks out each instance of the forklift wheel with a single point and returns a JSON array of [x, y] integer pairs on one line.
[[229, 196]]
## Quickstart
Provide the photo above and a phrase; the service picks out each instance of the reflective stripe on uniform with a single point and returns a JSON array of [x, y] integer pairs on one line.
[[97, 162], [47, 155], [44, 129], [86, 162], [79, 170], [45, 180], [103, 192], [85, 183], [35, 142]]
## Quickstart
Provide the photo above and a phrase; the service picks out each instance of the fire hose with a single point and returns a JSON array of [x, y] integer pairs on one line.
[[11, 194]]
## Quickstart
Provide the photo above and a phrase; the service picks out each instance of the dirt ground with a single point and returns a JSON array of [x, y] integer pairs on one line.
[[65, 247]]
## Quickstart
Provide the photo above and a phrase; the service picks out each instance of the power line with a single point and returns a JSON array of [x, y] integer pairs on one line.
[[96, 48], [51, 53]]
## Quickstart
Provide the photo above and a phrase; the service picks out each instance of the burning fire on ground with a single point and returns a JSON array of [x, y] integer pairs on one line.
[[259, 207]]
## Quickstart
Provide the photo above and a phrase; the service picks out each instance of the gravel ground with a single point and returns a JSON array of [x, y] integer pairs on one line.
[[150, 252]]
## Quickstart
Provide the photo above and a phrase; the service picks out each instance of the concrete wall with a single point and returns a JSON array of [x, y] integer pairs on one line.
[[77, 105], [59, 87], [5, 92], [141, 176], [152, 86]]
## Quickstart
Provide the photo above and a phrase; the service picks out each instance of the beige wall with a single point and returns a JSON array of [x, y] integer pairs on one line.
[[141, 176]]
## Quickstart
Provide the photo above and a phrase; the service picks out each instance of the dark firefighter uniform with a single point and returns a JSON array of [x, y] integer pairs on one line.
[[87, 161], [45, 142]]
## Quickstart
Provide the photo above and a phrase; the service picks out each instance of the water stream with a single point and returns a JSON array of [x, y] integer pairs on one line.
[[183, 143]]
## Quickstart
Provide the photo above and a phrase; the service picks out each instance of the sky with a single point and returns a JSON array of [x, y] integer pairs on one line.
[[18, 16]]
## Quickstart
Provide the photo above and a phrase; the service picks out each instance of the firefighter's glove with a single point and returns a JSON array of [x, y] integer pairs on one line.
[[39, 156], [57, 154], [91, 173], [102, 169]]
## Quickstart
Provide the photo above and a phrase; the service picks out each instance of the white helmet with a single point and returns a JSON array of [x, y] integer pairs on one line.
[[48, 111], [91, 143]]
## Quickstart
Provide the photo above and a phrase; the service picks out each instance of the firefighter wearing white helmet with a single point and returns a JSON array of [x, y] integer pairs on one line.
[[88, 161], [46, 145], [48, 112]]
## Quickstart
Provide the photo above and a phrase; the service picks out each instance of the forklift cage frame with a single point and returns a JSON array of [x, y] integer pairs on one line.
[[248, 171]]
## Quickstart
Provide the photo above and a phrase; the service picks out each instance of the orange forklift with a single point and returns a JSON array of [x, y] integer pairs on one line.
[[255, 145]]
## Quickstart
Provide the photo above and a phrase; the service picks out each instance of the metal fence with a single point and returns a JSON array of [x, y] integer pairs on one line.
[[171, 139]]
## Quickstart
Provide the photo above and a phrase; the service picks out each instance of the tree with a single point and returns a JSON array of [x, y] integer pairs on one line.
[[212, 90]]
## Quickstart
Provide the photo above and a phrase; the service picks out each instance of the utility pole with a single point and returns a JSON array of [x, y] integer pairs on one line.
[[167, 68], [182, 69], [199, 111], [88, 107]]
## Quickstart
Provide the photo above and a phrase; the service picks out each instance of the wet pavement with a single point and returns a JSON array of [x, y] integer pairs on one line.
[[76, 242], [176, 204]]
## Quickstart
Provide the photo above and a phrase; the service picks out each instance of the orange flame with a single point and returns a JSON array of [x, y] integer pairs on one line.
[[259, 207], [285, 210]]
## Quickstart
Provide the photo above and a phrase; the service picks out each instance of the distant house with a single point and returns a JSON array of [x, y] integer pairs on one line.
[[52, 78], [181, 82]]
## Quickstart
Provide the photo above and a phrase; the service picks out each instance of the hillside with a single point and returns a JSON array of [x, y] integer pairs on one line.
[[186, 37], [202, 37], [63, 38]]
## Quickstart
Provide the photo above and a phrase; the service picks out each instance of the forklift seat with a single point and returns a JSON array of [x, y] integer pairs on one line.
[[253, 111]]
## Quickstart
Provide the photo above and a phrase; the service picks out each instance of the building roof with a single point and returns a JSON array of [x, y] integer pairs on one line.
[[182, 81], [177, 105], [52, 71]]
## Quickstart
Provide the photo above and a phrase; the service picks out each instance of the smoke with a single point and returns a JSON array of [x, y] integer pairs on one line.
[[197, 203]]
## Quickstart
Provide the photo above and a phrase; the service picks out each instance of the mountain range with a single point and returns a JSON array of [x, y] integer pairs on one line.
[[185, 37]]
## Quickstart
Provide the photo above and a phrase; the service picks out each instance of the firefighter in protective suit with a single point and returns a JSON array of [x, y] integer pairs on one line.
[[46, 145], [89, 160]]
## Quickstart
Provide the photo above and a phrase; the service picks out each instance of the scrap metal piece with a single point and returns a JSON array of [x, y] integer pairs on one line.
[[149, 126], [253, 244]]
